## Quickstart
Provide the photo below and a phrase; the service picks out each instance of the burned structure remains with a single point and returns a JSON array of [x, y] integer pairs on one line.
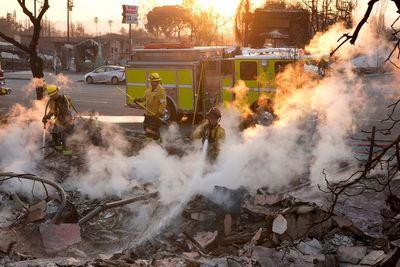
[[280, 28]]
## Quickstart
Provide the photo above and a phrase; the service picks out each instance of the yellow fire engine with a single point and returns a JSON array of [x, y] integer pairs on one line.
[[199, 78]]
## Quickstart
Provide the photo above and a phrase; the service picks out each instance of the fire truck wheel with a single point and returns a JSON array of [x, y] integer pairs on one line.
[[114, 80], [171, 111], [89, 80], [264, 115]]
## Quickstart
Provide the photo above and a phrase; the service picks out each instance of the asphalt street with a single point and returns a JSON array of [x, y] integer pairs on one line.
[[105, 99]]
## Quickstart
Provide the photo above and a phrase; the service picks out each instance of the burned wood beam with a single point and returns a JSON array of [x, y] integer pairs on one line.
[[63, 200], [195, 243], [240, 238], [114, 204]]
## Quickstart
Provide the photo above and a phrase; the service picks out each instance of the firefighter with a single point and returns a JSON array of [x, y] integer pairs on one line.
[[155, 103], [59, 106], [212, 131]]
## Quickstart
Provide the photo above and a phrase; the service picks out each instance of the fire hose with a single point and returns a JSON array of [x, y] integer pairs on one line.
[[142, 106]]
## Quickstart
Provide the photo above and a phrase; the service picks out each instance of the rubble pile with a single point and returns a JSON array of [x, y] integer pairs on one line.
[[226, 228]]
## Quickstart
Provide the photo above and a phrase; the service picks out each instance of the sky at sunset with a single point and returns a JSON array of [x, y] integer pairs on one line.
[[85, 11]]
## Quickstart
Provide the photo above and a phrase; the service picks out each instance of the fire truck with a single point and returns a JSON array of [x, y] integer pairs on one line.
[[199, 78]]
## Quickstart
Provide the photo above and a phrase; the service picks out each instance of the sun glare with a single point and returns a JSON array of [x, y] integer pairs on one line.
[[225, 8]]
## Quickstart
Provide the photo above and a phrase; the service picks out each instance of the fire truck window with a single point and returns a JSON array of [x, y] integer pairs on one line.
[[226, 68], [248, 70]]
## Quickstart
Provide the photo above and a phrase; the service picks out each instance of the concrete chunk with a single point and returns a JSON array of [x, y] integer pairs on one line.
[[351, 254], [310, 247], [279, 225], [57, 237], [373, 257]]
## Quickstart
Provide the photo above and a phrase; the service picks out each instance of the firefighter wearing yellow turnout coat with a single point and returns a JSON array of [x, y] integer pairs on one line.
[[212, 131], [155, 102], [59, 107]]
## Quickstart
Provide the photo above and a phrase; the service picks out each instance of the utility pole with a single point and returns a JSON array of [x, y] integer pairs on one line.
[[70, 5], [130, 41], [68, 21]]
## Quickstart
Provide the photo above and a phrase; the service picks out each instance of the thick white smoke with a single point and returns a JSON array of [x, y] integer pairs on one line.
[[20, 139]]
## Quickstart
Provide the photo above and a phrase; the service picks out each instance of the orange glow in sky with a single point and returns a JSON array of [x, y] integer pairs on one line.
[[225, 8], [84, 11]]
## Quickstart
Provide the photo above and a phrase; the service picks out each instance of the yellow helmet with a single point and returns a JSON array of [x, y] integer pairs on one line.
[[154, 77], [52, 89], [214, 113]]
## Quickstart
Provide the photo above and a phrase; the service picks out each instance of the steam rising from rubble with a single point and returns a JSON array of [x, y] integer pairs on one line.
[[20, 139]]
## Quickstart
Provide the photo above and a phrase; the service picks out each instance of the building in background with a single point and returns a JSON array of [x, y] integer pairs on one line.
[[280, 28]]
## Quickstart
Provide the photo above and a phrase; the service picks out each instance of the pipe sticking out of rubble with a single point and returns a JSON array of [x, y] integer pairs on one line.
[[114, 204], [10, 175]]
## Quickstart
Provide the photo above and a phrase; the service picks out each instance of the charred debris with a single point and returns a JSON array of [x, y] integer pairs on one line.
[[351, 222]]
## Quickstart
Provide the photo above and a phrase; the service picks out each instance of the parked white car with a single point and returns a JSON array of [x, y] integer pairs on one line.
[[105, 74]]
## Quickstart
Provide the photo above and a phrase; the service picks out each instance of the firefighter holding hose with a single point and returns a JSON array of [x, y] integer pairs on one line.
[[212, 131], [154, 104], [59, 107]]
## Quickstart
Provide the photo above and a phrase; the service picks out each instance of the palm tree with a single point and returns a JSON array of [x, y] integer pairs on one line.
[[109, 23], [96, 20]]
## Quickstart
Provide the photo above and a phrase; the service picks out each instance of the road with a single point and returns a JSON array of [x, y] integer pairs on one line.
[[102, 98]]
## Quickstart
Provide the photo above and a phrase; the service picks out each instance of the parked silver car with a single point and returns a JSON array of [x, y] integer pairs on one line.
[[105, 74]]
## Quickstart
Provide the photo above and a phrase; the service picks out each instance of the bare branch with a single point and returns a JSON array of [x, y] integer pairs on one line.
[[26, 10], [14, 42], [354, 36]]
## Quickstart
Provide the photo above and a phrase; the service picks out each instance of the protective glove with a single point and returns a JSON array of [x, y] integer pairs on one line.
[[138, 100], [45, 119]]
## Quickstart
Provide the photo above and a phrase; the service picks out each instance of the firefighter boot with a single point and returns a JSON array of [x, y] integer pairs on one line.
[[67, 152]]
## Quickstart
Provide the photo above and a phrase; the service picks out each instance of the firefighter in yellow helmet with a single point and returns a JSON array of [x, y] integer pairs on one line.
[[212, 131], [59, 107], [155, 102]]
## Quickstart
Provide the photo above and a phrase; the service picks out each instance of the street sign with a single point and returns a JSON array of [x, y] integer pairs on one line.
[[130, 19], [130, 9], [130, 14]]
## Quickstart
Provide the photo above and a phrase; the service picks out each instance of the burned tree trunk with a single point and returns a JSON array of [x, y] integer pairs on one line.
[[36, 63]]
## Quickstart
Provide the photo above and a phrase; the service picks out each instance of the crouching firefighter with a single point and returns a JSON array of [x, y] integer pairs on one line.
[[59, 106], [212, 131], [155, 103]]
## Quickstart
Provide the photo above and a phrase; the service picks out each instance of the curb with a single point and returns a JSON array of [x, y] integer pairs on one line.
[[16, 78], [28, 79]]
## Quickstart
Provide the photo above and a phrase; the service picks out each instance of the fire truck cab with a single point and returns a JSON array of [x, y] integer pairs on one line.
[[199, 78]]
